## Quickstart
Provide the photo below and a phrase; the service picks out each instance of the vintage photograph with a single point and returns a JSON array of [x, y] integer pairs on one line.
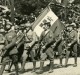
[[39, 37]]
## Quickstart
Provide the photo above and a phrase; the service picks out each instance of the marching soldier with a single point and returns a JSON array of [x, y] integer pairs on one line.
[[71, 44], [2, 41], [10, 50], [20, 45], [46, 40], [78, 36], [60, 44], [30, 47], [20, 40]]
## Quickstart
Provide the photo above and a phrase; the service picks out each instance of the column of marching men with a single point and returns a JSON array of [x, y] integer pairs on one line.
[[18, 44]]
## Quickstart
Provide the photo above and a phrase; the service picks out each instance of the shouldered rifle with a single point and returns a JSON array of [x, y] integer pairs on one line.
[[18, 41]]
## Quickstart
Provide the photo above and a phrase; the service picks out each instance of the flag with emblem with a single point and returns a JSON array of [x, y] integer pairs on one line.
[[48, 16]]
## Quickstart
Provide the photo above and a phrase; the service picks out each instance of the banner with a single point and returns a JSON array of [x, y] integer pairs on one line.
[[48, 16]]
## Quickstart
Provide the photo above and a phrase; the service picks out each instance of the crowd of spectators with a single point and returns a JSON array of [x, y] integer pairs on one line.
[[20, 20], [68, 15]]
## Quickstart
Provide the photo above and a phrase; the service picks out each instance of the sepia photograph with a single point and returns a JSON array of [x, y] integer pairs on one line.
[[39, 37]]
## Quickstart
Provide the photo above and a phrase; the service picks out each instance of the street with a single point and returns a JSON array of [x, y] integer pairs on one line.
[[70, 70]]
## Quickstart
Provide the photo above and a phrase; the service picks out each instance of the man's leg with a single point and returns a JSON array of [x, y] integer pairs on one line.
[[4, 62], [9, 67], [24, 57], [67, 57], [15, 62], [43, 57], [2, 68], [32, 53], [60, 54], [50, 53], [75, 55], [60, 57]]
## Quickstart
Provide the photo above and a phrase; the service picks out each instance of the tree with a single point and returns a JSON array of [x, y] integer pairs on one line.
[[29, 6]]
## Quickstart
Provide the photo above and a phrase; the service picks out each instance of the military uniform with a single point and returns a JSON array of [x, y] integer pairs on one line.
[[46, 39], [2, 43], [20, 45], [30, 47], [60, 44], [72, 44], [11, 51]]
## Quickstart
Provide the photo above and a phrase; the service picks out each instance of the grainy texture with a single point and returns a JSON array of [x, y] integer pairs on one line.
[[70, 70]]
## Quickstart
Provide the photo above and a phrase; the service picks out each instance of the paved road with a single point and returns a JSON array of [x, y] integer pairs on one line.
[[70, 70]]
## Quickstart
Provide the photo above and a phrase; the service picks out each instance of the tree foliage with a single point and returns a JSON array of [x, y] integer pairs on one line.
[[29, 6]]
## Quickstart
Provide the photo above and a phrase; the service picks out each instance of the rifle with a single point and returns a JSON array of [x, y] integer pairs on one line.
[[19, 42], [55, 44]]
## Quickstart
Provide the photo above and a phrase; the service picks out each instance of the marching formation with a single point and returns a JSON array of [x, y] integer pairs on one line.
[[17, 45]]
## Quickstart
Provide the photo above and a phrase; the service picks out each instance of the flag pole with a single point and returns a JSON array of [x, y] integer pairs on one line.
[[12, 12]]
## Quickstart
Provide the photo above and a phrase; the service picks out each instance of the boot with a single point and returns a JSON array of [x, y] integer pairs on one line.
[[2, 68], [16, 68], [41, 67], [66, 61], [51, 67], [22, 70], [34, 66], [75, 60], [67, 57], [60, 63], [9, 68]]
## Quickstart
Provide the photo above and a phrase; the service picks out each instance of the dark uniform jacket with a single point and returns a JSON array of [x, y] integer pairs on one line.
[[73, 36], [46, 38], [31, 39], [11, 38]]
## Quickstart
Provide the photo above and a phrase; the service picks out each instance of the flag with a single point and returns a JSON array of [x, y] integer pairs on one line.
[[47, 16]]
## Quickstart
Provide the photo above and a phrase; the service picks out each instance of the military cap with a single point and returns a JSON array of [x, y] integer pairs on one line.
[[71, 25], [16, 27], [8, 26], [2, 30], [28, 24]]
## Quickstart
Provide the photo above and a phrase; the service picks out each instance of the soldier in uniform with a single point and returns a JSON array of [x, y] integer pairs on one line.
[[71, 44], [20, 41], [46, 40], [30, 47], [59, 44], [10, 50], [2, 40], [20, 45]]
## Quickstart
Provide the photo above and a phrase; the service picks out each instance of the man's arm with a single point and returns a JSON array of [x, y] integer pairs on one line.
[[12, 43], [34, 40], [50, 39], [74, 38]]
